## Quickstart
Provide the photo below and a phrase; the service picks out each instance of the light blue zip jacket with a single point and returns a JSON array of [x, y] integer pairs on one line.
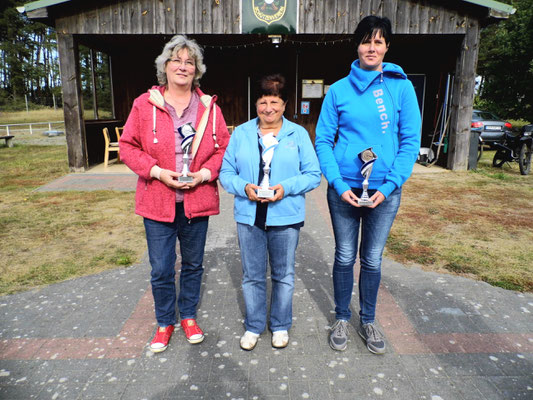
[[294, 166], [369, 109]]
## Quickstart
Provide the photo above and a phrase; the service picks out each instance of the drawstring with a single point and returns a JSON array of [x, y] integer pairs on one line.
[[214, 126], [154, 129]]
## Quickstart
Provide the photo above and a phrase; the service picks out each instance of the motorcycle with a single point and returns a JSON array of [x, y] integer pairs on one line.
[[479, 148], [515, 147]]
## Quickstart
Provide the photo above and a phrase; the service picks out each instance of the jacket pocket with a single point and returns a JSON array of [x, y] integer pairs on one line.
[[350, 161]]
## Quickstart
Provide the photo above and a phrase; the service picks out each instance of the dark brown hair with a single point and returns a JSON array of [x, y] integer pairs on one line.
[[272, 85], [370, 26]]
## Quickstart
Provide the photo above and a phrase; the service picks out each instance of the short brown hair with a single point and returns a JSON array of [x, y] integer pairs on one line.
[[273, 85]]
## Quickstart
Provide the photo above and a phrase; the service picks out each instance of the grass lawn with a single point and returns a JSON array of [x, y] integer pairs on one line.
[[41, 115], [44, 114], [50, 237], [476, 223]]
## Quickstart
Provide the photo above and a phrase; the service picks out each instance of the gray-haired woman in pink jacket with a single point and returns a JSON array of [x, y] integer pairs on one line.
[[153, 145]]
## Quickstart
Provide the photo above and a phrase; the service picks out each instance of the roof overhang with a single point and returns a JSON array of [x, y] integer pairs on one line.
[[35, 5], [39, 9], [495, 8]]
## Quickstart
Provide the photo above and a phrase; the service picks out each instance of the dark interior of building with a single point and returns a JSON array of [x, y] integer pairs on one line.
[[235, 62]]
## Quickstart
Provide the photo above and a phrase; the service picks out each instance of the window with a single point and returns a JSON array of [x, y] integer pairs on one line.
[[97, 93]]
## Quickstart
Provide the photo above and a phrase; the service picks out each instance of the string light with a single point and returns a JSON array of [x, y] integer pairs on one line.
[[285, 40], [317, 43], [236, 46]]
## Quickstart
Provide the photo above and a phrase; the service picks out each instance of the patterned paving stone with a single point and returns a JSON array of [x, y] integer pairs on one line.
[[448, 337]]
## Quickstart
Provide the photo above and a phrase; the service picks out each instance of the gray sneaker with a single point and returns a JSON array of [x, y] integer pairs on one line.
[[338, 338], [374, 338]]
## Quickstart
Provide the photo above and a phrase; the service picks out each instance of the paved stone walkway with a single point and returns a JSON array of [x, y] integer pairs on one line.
[[449, 338]]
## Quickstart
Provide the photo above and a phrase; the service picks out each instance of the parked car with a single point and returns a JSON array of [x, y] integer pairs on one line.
[[491, 128]]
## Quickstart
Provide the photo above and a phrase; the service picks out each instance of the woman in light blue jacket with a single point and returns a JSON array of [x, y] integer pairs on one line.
[[268, 228]]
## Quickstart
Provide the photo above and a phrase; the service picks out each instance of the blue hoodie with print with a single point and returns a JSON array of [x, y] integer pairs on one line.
[[376, 109]]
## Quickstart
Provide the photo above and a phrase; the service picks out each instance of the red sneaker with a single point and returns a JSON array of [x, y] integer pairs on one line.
[[161, 338], [192, 331]]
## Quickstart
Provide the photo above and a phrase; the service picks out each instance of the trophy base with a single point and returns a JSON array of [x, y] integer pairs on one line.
[[365, 202], [265, 193], [185, 179]]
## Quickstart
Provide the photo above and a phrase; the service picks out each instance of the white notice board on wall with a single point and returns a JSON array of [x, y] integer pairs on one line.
[[312, 88]]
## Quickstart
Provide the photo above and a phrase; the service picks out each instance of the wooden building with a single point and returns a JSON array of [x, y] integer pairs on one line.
[[435, 42]]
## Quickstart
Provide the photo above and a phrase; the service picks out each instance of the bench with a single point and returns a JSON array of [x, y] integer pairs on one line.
[[8, 139]]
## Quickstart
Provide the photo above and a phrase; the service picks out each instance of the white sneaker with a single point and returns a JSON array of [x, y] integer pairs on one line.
[[249, 340], [280, 339]]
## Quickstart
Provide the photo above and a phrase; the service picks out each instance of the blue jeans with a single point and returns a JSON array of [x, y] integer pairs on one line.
[[258, 246], [161, 238], [375, 227]]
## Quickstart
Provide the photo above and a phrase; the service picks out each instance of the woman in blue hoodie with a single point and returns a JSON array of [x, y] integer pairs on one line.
[[374, 108], [268, 227]]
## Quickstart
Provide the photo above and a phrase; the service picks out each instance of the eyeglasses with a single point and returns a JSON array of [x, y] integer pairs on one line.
[[176, 62]]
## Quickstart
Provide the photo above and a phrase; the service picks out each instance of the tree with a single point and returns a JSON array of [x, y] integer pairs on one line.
[[506, 65], [30, 66], [13, 48], [28, 51]]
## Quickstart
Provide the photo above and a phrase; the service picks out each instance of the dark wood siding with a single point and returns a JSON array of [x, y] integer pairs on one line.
[[211, 16], [407, 17], [150, 17]]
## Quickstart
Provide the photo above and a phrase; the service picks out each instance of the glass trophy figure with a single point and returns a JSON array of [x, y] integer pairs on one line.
[[367, 157], [187, 133]]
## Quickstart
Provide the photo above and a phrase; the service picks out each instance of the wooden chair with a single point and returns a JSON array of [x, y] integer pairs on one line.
[[231, 128], [118, 131], [110, 146]]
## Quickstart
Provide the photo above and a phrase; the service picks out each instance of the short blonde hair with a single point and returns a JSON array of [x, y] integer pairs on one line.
[[172, 48]]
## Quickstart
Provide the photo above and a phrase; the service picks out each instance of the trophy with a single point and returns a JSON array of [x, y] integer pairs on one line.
[[268, 143], [187, 133], [367, 157]]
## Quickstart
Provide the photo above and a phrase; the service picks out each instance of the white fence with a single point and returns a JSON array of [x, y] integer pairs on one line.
[[32, 127]]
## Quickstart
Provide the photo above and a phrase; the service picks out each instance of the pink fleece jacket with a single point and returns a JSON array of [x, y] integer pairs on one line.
[[153, 199]]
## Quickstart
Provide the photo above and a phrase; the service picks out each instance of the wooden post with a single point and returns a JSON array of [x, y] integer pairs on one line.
[[463, 98], [72, 102], [93, 81], [110, 72]]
